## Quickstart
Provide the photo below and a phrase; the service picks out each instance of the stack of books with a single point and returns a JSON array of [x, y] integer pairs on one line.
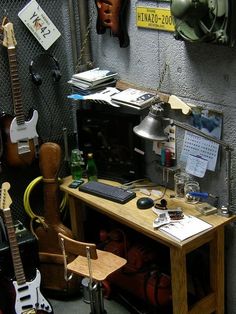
[[134, 98], [92, 80]]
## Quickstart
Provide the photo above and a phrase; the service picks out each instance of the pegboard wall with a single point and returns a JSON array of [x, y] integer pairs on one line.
[[49, 99]]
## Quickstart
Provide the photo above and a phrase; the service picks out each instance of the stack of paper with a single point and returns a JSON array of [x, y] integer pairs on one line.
[[93, 79], [134, 98]]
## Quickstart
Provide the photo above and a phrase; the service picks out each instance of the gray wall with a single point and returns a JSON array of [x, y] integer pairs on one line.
[[202, 74]]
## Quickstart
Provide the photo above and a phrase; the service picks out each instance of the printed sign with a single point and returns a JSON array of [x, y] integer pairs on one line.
[[155, 18], [39, 24]]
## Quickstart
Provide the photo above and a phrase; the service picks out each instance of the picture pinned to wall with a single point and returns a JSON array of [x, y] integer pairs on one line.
[[198, 153], [166, 149]]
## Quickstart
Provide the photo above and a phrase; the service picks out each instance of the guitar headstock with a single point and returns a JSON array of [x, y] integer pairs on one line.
[[7, 34], [5, 199]]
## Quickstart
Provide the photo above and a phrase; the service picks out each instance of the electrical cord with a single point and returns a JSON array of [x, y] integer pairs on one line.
[[26, 200]]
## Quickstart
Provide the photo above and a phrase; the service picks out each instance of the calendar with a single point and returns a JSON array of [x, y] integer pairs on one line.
[[197, 146]]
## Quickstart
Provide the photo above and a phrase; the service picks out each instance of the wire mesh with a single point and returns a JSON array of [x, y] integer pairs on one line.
[[49, 99]]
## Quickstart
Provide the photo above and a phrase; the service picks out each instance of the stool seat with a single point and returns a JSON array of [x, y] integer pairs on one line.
[[106, 264], [83, 259]]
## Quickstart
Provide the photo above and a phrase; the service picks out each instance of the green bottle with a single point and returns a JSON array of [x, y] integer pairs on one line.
[[75, 164], [91, 169]]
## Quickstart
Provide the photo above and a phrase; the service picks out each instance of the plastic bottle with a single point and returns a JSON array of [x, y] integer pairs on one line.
[[75, 164], [91, 169]]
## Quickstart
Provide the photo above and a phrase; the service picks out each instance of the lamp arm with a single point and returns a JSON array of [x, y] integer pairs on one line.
[[196, 131], [226, 146]]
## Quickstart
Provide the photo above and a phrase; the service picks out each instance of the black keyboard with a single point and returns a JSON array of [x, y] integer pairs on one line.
[[112, 193]]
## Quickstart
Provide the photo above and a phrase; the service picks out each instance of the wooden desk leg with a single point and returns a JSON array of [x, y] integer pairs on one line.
[[217, 269], [77, 214], [179, 280]]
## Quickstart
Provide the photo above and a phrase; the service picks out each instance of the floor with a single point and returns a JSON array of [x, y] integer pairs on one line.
[[78, 306], [119, 304]]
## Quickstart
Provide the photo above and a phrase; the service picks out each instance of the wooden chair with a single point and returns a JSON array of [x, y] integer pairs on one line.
[[89, 262]]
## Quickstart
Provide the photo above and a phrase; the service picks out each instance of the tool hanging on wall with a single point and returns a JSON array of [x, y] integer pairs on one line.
[[112, 15]]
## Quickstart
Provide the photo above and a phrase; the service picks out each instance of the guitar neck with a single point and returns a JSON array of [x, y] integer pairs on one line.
[[16, 258], [15, 84]]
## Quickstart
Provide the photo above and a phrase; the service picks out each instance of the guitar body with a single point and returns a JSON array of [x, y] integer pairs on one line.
[[28, 296], [22, 296], [21, 136], [32, 301], [11, 150]]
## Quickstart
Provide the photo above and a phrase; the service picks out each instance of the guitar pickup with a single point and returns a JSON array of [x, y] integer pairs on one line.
[[23, 147]]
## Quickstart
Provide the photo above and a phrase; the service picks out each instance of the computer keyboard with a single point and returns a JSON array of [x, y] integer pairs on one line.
[[112, 193]]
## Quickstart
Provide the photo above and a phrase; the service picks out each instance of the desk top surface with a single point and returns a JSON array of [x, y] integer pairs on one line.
[[142, 220]]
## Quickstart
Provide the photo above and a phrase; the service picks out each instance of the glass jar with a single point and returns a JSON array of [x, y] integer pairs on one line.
[[180, 179], [191, 186], [75, 164]]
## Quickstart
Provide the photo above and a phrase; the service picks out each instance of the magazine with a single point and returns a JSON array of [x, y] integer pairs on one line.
[[184, 228], [135, 98]]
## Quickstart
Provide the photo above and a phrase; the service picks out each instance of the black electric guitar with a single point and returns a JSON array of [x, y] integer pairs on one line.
[[21, 138], [28, 297]]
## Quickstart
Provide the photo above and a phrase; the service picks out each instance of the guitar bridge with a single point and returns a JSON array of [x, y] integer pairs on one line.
[[23, 146]]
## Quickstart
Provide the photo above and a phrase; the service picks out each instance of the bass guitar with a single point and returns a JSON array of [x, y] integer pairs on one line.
[[28, 297], [20, 136]]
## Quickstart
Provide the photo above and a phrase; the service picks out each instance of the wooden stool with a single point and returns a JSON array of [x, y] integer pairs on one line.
[[89, 262]]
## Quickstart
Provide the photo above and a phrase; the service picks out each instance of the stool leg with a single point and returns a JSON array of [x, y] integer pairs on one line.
[[101, 299], [92, 297], [96, 299]]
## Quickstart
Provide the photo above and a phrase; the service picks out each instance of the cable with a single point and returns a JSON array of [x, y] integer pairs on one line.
[[26, 200]]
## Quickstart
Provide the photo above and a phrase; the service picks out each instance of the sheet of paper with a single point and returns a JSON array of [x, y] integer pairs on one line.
[[196, 166]]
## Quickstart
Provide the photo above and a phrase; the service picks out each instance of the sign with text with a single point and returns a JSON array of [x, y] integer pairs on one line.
[[155, 18], [39, 24]]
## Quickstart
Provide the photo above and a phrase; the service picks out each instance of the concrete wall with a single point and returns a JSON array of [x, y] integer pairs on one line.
[[202, 74]]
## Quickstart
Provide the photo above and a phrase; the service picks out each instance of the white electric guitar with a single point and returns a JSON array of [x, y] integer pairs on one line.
[[28, 297], [22, 136]]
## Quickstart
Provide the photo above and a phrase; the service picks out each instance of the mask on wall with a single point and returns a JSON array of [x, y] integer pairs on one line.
[[112, 15]]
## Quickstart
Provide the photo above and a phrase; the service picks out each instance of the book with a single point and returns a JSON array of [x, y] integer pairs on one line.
[[184, 228], [84, 86], [135, 98], [93, 77], [39, 24]]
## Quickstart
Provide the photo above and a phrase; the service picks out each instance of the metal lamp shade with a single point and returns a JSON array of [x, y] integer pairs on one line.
[[151, 127]]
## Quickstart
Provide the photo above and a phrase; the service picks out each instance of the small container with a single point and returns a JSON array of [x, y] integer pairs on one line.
[[75, 164], [91, 169], [191, 186], [180, 179]]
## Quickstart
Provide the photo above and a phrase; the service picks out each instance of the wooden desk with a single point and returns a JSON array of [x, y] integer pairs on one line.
[[141, 221]]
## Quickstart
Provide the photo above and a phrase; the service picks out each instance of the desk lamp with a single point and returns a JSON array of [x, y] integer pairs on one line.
[[151, 128]]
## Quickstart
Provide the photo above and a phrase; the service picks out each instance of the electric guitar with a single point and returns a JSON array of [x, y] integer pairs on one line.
[[28, 298], [21, 137]]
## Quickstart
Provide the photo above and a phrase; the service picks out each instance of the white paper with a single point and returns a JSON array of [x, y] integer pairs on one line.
[[196, 166]]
